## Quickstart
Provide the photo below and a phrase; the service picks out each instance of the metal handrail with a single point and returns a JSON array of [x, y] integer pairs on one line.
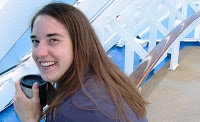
[[145, 67]]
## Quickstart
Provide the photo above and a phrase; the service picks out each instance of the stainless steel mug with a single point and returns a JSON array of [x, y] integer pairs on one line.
[[27, 83]]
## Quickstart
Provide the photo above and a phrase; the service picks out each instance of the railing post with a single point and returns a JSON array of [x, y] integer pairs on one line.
[[174, 55]]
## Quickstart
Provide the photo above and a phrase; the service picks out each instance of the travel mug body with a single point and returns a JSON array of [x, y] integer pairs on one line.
[[27, 83]]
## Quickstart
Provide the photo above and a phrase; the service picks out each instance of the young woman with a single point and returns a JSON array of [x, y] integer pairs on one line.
[[89, 86]]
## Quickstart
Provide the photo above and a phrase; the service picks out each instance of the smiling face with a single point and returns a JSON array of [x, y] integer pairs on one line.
[[52, 48]]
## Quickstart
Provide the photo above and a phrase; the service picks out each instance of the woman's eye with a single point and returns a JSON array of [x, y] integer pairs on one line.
[[35, 41], [53, 40]]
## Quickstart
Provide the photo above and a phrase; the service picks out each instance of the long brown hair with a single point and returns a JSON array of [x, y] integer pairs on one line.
[[89, 54]]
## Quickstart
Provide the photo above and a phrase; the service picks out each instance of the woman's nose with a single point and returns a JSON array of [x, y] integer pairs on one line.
[[42, 50]]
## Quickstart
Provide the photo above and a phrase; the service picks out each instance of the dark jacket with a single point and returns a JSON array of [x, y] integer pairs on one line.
[[98, 108]]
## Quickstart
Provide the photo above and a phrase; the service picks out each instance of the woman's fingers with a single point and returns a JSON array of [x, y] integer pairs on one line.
[[27, 109]]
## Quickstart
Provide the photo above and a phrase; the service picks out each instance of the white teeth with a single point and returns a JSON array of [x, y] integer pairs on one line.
[[45, 64]]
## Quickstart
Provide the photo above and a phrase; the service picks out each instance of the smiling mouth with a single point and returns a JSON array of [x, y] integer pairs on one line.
[[46, 64]]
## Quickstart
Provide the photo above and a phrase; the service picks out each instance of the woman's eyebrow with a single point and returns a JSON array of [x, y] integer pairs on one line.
[[54, 34], [32, 36], [48, 35]]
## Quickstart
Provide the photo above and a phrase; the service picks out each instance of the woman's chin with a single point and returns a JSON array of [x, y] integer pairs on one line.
[[48, 79]]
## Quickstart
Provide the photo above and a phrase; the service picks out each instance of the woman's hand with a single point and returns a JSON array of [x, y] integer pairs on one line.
[[27, 109]]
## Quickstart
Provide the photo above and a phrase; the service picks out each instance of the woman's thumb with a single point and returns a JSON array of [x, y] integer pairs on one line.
[[35, 89]]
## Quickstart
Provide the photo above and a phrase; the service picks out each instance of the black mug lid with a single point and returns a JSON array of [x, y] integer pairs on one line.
[[29, 80]]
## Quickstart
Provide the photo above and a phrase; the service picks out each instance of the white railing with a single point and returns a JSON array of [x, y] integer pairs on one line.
[[141, 17]]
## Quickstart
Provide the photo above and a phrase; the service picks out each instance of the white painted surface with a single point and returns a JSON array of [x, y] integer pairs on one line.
[[15, 17]]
